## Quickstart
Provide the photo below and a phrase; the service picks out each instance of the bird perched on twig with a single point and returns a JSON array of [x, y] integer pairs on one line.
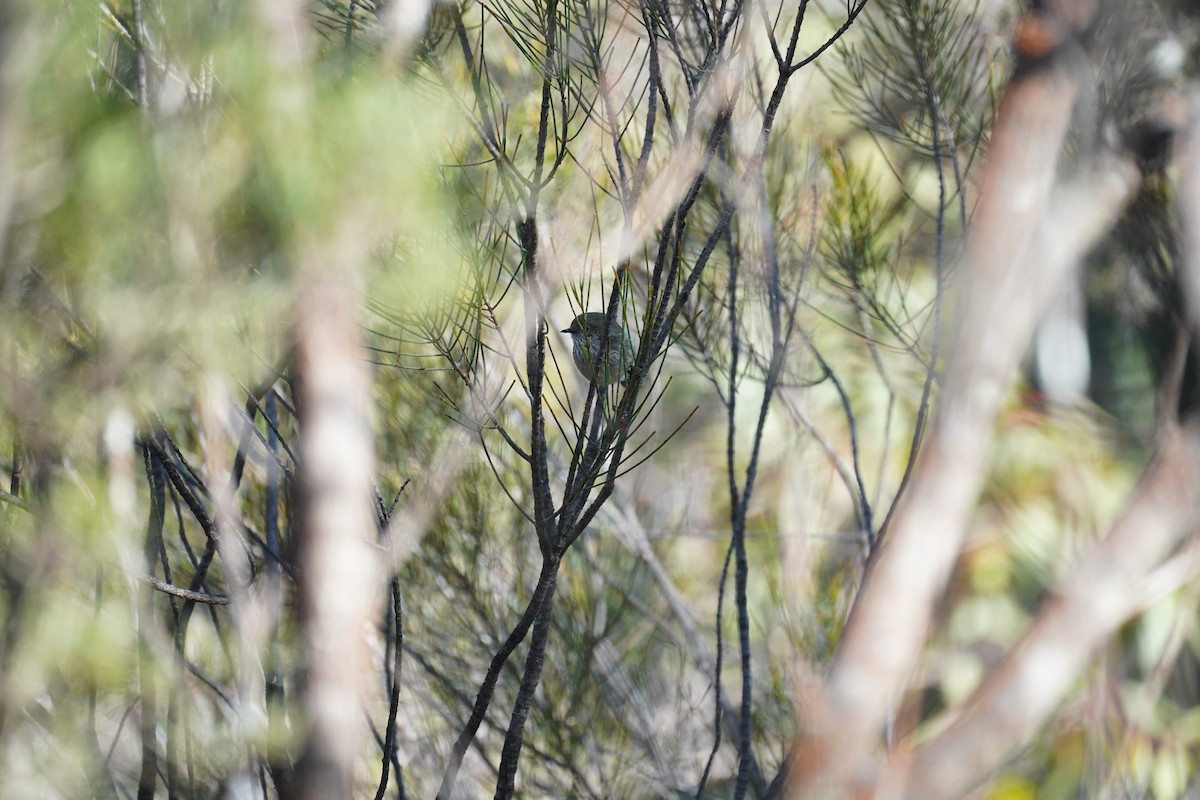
[[602, 359]]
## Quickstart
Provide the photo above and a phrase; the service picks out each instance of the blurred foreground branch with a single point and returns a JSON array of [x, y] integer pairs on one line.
[[339, 573], [1030, 231]]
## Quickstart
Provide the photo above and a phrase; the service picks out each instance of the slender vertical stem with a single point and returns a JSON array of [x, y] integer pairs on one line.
[[534, 661], [148, 688]]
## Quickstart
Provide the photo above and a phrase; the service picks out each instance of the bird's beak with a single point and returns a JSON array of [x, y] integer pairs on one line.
[[568, 330]]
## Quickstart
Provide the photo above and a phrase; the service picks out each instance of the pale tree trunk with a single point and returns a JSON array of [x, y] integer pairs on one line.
[[339, 570]]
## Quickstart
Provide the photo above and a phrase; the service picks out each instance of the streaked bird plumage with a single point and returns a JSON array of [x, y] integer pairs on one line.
[[588, 340]]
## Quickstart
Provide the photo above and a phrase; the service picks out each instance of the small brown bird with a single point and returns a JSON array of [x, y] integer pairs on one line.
[[587, 339]]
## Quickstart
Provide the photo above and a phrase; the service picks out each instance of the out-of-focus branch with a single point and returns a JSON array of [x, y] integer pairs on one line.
[[1025, 239], [339, 572], [13, 500], [408, 525], [186, 594], [1101, 593], [633, 536], [247, 613], [1187, 160]]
